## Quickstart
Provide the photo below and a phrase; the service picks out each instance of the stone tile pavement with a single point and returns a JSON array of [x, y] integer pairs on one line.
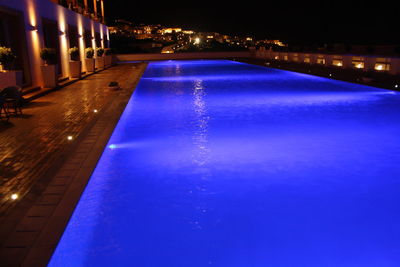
[[39, 165]]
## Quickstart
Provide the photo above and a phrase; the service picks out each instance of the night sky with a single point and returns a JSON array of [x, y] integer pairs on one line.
[[301, 22]]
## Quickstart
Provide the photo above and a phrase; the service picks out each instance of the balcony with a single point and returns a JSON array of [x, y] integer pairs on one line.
[[93, 9]]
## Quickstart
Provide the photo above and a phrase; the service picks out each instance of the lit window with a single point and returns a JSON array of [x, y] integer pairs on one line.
[[337, 62], [382, 66], [295, 58], [285, 58], [358, 64], [307, 60], [276, 57], [321, 61]]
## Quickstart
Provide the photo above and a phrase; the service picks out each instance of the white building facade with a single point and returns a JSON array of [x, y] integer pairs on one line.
[[27, 26]]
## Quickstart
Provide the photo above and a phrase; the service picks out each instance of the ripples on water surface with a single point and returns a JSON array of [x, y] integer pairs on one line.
[[219, 163]]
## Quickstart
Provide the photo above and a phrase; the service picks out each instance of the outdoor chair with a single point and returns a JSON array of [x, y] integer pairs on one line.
[[3, 110], [13, 99]]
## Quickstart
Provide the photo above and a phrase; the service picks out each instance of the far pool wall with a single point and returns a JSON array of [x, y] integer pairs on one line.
[[201, 55]]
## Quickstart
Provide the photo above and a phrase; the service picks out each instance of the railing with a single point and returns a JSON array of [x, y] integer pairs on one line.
[[80, 8], [362, 62]]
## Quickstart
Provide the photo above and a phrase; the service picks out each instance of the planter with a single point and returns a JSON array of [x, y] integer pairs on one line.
[[108, 60], [100, 63], [75, 69], [10, 78], [89, 64], [49, 74]]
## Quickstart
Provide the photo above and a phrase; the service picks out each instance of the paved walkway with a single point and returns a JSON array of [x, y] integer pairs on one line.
[[35, 146]]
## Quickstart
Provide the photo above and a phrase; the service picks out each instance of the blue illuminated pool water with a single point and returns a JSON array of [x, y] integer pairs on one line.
[[219, 163]]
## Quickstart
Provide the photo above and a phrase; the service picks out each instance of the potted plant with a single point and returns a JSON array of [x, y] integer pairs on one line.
[[108, 57], [49, 69], [8, 77], [75, 65], [99, 58], [89, 60]]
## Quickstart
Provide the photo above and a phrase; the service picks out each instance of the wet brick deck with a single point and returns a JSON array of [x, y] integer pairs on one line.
[[37, 161]]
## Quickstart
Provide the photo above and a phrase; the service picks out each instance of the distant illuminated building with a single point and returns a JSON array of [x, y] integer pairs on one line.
[[170, 30]]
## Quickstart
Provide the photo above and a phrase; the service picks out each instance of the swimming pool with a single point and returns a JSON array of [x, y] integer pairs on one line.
[[220, 163]]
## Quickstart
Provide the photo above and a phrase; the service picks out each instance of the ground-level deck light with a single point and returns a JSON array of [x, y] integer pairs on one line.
[[114, 85], [70, 137], [14, 196]]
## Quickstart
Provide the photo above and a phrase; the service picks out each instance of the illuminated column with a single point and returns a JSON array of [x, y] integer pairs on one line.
[[301, 57], [313, 58], [394, 66], [347, 62], [101, 35], [95, 8], [102, 11], [108, 37], [81, 42], [64, 42], [86, 7], [328, 59], [369, 63], [93, 37], [34, 42]]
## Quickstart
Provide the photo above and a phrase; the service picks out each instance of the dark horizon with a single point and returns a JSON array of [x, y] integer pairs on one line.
[[300, 23]]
